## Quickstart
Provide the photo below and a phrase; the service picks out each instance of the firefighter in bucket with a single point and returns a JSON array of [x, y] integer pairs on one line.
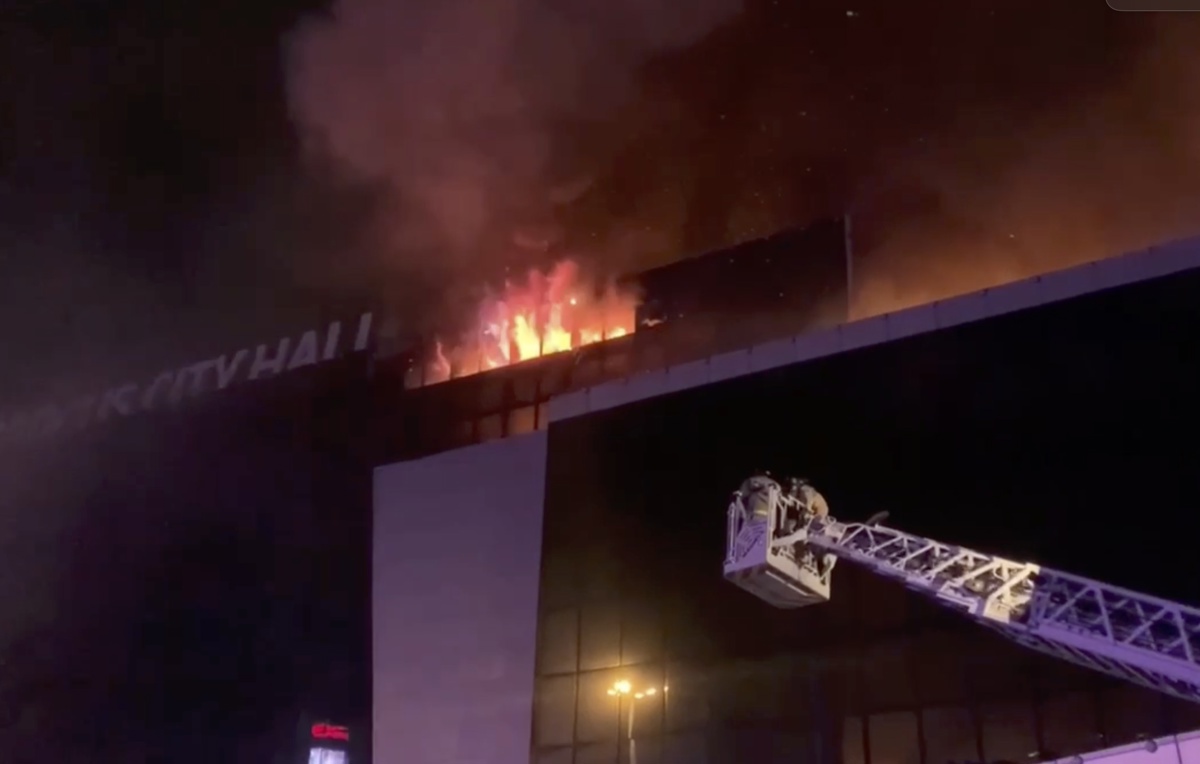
[[798, 505]]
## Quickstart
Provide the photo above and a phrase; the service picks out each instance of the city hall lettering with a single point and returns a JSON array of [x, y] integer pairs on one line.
[[170, 387]]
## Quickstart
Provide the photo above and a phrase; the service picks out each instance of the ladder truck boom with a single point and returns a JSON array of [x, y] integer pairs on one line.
[[782, 546]]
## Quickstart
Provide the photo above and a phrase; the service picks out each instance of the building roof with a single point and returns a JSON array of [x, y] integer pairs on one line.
[[1131, 268]]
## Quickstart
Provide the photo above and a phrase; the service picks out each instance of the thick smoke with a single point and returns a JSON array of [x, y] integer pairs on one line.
[[992, 197], [474, 111], [970, 152]]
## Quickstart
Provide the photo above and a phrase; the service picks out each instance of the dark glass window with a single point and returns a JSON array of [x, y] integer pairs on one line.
[[1182, 716], [522, 420], [882, 605], [491, 427], [687, 704], [554, 756], [635, 529], [599, 753], [853, 743], [939, 668], [554, 711], [600, 636], [886, 675], [599, 712], [950, 734], [893, 738], [997, 670], [1130, 713], [642, 635], [559, 586], [1008, 731], [684, 748], [600, 573], [558, 642], [1070, 724]]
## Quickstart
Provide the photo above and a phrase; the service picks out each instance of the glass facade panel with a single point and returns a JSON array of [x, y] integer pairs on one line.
[[684, 639], [853, 741], [554, 379], [600, 573], [886, 676], [600, 636], [687, 698], [524, 387], [1182, 715], [649, 709], [1008, 732], [554, 756], [997, 670], [491, 427], [1071, 724], [522, 420], [554, 711], [643, 750], [642, 633], [559, 579], [937, 662], [950, 734], [751, 693], [882, 605], [1130, 713], [634, 529], [461, 433], [684, 748], [893, 738], [1056, 678], [558, 642], [491, 389], [599, 712], [598, 753], [768, 746], [589, 370]]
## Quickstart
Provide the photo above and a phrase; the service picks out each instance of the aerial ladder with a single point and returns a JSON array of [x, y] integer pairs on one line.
[[782, 546]]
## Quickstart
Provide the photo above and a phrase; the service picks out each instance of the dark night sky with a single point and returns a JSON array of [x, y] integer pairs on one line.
[[190, 174], [180, 174]]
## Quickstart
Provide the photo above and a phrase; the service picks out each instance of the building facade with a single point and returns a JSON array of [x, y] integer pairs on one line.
[[1050, 420], [187, 585], [462, 572], [187, 555]]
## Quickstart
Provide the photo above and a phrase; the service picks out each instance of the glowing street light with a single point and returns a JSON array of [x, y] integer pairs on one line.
[[622, 688]]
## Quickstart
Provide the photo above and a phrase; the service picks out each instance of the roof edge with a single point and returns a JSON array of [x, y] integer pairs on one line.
[[1056, 286]]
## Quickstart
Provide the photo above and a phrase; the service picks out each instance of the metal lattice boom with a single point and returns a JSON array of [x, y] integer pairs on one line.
[[1132, 636]]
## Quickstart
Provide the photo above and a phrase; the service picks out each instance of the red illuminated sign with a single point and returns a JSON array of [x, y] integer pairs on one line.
[[323, 731]]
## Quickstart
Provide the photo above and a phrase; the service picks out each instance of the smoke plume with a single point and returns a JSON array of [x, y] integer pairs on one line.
[[969, 152], [989, 197], [474, 111]]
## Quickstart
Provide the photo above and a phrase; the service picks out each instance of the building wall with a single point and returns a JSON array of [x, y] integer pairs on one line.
[[759, 290], [456, 560], [195, 579], [1062, 434]]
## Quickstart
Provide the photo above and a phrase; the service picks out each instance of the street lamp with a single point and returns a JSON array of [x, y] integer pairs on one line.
[[619, 690]]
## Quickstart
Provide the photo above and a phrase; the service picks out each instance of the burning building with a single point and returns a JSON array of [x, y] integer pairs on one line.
[[548, 312], [199, 543], [555, 331], [569, 585], [323, 559]]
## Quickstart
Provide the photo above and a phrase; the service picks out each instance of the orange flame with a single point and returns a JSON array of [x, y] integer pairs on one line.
[[548, 313]]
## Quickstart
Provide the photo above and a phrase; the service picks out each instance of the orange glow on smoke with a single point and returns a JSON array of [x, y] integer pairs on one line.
[[547, 313]]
